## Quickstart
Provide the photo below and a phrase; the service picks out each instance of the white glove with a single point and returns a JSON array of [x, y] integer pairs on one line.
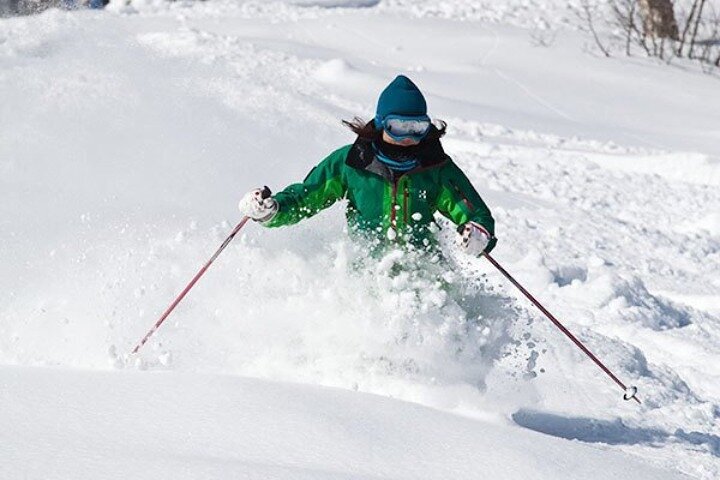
[[258, 205], [473, 239]]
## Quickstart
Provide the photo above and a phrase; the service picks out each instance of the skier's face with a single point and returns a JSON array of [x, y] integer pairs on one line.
[[405, 142]]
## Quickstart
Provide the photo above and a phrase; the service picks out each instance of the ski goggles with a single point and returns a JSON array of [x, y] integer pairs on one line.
[[400, 127]]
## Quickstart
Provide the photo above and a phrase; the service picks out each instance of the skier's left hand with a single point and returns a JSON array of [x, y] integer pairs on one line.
[[474, 239]]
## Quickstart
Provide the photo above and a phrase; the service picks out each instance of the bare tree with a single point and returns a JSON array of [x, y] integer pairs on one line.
[[688, 23], [696, 27], [653, 26], [716, 38], [625, 16], [586, 12], [711, 50]]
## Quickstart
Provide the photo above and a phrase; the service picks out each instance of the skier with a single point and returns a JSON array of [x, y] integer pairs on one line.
[[395, 177]]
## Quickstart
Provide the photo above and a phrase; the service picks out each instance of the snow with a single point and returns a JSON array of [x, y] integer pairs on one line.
[[188, 426], [128, 137]]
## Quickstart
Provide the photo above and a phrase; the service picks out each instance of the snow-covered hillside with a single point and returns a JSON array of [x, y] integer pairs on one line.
[[189, 426], [128, 136]]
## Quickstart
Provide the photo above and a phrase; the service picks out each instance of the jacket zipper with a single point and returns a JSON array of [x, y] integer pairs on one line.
[[405, 204], [393, 215]]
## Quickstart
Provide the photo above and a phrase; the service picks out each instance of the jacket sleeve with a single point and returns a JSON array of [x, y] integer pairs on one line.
[[323, 186], [460, 202]]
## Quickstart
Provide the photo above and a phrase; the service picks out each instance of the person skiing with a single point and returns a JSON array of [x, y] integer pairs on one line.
[[395, 176]]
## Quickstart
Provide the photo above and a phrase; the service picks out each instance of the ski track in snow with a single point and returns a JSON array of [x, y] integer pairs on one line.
[[620, 243]]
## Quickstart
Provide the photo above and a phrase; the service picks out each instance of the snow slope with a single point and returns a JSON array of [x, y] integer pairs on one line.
[[128, 135], [86, 425]]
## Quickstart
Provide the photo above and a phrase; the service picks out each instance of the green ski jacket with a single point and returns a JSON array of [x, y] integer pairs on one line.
[[390, 206]]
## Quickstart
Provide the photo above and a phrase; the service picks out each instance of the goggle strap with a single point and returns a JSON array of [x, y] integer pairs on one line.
[[378, 121]]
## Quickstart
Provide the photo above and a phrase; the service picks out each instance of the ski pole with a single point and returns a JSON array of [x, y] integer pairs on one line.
[[190, 285], [630, 392]]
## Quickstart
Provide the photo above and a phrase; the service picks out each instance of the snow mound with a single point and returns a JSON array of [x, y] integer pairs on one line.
[[334, 70], [709, 223], [187, 426], [688, 167], [611, 294]]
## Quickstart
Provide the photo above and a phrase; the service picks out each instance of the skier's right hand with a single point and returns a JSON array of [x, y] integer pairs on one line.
[[258, 204]]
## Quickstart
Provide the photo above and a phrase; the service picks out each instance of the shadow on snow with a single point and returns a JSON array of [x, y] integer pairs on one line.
[[613, 432]]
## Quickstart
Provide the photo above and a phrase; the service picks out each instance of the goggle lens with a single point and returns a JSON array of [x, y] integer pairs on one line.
[[405, 127]]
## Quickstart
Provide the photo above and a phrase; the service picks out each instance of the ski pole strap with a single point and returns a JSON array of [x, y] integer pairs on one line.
[[629, 392]]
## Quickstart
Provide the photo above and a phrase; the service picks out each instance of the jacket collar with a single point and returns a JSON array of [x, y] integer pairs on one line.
[[362, 157]]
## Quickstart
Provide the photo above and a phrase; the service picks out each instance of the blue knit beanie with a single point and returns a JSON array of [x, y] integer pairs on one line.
[[401, 97]]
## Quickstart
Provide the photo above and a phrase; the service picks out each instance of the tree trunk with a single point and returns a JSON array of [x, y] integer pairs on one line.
[[659, 19], [698, 19]]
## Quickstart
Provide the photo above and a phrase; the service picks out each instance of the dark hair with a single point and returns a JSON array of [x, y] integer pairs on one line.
[[367, 130]]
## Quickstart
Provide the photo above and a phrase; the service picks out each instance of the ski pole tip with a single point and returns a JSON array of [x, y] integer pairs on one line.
[[631, 394]]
